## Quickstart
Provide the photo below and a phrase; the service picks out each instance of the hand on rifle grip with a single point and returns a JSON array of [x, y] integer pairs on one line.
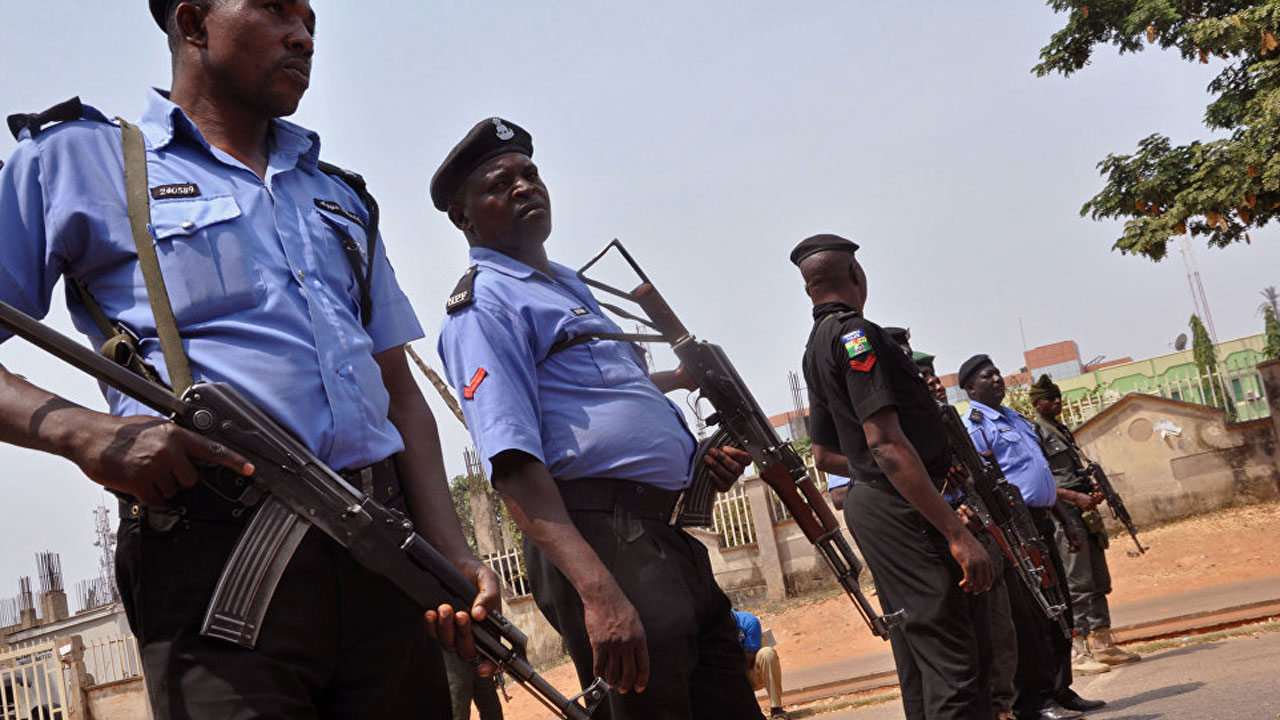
[[726, 465], [452, 629]]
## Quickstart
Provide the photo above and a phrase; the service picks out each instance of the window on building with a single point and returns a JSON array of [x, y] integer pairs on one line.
[[1175, 395], [1237, 389]]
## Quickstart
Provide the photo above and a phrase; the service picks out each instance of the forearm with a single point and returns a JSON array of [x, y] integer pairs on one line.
[[829, 460], [530, 494], [421, 464], [900, 463], [34, 418]]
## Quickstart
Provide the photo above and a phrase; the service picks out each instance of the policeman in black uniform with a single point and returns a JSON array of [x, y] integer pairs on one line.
[[871, 417]]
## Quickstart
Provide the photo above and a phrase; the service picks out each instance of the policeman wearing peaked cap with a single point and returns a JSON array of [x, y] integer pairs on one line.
[[265, 298], [585, 449], [871, 417]]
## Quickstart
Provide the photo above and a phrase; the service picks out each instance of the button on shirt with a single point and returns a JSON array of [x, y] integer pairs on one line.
[[1017, 449], [586, 411], [261, 288]]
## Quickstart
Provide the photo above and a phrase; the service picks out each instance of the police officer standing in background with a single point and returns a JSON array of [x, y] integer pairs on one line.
[[872, 417], [246, 229], [1088, 577], [587, 452], [1043, 677]]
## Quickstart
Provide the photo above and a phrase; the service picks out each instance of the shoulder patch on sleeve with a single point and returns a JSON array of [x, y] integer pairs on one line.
[[469, 392], [975, 417], [464, 293], [856, 343]]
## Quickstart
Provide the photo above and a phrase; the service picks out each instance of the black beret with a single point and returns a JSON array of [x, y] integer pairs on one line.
[[488, 139], [819, 243], [971, 366], [160, 10], [1044, 388]]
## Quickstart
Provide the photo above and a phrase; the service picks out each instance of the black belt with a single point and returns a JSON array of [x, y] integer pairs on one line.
[[604, 494], [217, 497]]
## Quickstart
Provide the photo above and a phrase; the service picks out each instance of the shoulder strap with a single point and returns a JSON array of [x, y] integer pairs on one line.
[[464, 293], [588, 337], [364, 276], [135, 184], [64, 111]]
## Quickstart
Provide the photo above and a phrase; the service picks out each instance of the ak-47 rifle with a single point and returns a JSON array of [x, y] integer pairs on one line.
[[1102, 485], [1000, 508], [742, 423], [293, 492]]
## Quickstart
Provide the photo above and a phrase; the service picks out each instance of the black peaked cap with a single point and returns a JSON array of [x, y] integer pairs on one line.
[[488, 139], [971, 366], [819, 243]]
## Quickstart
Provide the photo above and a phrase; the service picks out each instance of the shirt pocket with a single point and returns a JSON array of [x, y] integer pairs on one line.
[[595, 363], [206, 257], [341, 249]]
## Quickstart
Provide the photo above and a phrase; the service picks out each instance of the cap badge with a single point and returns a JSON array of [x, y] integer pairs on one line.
[[504, 132]]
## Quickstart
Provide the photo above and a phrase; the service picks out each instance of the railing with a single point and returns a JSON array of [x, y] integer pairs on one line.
[[509, 566], [113, 660], [1238, 388], [731, 517], [32, 684]]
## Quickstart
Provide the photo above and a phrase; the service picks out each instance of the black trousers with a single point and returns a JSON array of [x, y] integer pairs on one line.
[[697, 670], [1044, 654], [942, 651], [337, 641]]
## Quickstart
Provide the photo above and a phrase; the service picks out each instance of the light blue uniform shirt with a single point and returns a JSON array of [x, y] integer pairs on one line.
[[262, 291], [1017, 449], [587, 411], [836, 481]]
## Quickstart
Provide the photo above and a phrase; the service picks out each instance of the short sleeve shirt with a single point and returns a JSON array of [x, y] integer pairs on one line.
[[750, 633], [854, 370], [588, 411], [262, 290], [1016, 446]]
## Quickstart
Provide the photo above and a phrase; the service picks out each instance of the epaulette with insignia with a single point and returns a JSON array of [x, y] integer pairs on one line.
[[975, 417], [64, 111], [464, 293]]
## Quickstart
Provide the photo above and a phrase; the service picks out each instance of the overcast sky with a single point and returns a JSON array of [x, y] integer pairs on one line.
[[710, 137]]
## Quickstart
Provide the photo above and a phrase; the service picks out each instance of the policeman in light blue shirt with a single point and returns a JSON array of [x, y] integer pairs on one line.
[[265, 258], [585, 449], [1042, 679]]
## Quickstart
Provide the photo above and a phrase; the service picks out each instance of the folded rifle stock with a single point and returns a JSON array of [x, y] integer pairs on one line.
[[295, 491], [1000, 508], [742, 423]]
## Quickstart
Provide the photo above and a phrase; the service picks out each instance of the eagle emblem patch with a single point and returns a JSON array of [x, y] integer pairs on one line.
[[856, 344]]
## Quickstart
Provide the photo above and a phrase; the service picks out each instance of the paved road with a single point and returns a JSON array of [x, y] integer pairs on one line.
[[1237, 679]]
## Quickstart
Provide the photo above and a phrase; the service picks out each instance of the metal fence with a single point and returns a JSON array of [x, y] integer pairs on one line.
[[509, 565], [779, 511], [731, 517], [33, 684], [1238, 388], [113, 660]]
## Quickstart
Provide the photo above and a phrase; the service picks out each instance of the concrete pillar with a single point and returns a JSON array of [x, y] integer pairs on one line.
[[766, 541], [484, 518], [71, 651], [1269, 371], [53, 606]]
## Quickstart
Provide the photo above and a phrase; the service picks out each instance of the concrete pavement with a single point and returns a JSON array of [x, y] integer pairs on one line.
[[1162, 616]]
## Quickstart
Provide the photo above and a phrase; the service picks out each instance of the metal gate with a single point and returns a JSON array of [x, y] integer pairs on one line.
[[33, 684]]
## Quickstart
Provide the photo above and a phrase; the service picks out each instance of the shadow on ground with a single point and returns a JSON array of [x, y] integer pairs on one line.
[[1148, 696]]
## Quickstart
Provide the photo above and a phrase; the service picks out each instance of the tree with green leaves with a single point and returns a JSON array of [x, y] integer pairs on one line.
[[1271, 331], [1270, 299], [1216, 189], [1206, 357]]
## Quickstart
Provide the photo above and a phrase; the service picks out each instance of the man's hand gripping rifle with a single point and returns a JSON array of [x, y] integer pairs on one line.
[[742, 423], [294, 491], [1003, 514], [1102, 485]]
